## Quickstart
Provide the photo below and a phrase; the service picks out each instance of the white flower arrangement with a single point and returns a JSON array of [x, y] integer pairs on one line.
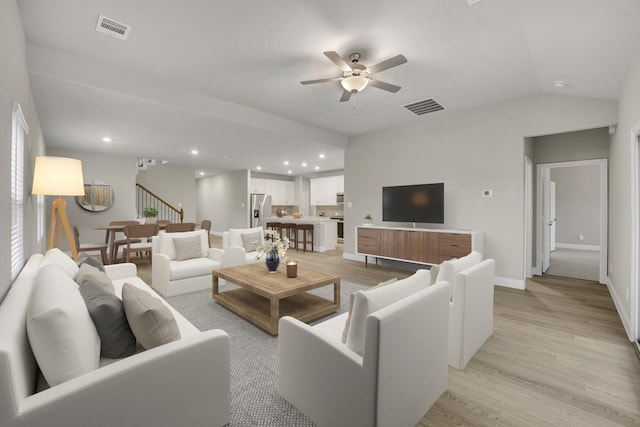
[[273, 241]]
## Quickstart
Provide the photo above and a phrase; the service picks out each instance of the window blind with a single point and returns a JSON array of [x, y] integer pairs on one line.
[[19, 129]]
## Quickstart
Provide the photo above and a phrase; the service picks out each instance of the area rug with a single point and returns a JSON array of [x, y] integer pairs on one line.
[[254, 364]]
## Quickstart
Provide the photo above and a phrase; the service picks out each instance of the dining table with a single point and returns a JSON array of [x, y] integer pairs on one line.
[[110, 236]]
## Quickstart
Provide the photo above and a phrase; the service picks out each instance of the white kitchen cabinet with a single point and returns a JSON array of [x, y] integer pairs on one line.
[[317, 191], [281, 192], [323, 190], [257, 185], [285, 193]]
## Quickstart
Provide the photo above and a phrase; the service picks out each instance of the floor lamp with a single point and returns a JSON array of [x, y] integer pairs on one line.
[[58, 176]]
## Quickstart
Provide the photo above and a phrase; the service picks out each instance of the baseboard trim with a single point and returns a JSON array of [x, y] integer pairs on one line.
[[578, 247], [620, 308], [507, 282], [353, 257]]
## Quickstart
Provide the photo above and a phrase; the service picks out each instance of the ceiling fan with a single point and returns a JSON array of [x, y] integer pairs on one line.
[[355, 76]]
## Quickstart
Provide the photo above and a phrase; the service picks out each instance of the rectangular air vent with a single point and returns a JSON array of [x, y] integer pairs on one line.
[[423, 107], [112, 28]]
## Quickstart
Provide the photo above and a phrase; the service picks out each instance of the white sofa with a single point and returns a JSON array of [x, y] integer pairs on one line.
[[233, 246], [471, 311], [401, 373], [185, 382], [170, 276]]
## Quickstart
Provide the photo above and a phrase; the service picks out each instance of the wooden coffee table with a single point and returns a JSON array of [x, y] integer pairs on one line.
[[263, 297]]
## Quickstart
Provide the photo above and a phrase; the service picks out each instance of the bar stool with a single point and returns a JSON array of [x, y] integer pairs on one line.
[[275, 226], [305, 229], [288, 229]]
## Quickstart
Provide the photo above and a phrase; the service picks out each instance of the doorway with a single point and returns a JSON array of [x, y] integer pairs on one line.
[[570, 249]]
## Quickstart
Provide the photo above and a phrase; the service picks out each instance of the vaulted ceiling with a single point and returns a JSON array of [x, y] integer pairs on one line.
[[223, 77]]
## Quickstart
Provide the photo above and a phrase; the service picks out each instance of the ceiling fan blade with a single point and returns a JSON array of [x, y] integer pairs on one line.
[[389, 63], [346, 95], [338, 60], [384, 86], [329, 79]]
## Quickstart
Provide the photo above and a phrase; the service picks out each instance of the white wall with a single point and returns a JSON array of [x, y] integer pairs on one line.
[[119, 172], [468, 151], [173, 184], [577, 204], [14, 86], [620, 176], [224, 200]]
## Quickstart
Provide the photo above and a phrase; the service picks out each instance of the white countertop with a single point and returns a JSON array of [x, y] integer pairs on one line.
[[303, 220]]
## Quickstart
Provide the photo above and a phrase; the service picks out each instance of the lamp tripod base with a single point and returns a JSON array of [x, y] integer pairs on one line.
[[55, 230]]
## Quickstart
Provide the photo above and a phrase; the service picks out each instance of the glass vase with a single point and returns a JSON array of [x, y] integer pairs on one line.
[[272, 261]]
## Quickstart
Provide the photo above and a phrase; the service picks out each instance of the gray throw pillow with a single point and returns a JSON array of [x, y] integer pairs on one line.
[[250, 241], [187, 247], [91, 261], [89, 273], [107, 312], [151, 321]]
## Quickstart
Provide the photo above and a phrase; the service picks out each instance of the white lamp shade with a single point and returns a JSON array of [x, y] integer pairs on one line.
[[58, 176], [354, 83]]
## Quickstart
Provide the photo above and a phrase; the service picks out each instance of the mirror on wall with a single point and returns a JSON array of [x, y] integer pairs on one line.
[[98, 196]]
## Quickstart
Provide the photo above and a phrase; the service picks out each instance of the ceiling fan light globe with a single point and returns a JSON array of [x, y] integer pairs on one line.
[[354, 84]]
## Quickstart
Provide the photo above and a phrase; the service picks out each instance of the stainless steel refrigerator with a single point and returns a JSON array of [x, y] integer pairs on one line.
[[260, 209]]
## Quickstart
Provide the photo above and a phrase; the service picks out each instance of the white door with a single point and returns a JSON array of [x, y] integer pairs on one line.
[[546, 216], [552, 216]]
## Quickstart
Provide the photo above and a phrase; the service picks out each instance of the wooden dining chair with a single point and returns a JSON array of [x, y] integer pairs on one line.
[[115, 245], [177, 227], [142, 232], [90, 247], [206, 225]]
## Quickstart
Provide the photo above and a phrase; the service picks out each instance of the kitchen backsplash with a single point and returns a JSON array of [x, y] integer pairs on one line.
[[329, 210]]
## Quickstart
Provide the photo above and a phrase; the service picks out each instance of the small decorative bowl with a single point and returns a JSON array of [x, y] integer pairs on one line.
[[296, 215]]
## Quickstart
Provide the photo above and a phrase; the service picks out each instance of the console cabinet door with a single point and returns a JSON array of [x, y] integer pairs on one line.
[[369, 241], [454, 245]]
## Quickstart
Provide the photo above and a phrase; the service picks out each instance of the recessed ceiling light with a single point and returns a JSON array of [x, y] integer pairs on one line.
[[321, 156], [258, 167], [560, 83], [289, 172], [317, 168], [201, 173], [286, 162], [106, 139], [304, 165], [194, 151], [228, 157]]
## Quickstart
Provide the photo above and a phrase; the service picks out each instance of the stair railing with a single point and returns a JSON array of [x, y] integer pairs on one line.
[[146, 197]]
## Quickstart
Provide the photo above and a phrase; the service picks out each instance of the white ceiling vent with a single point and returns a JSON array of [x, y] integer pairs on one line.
[[112, 28], [423, 107]]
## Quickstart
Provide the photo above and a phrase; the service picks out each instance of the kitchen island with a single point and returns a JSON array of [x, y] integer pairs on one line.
[[325, 231]]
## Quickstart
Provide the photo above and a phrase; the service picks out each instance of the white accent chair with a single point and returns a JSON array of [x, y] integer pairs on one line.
[[233, 246], [172, 277], [401, 374], [471, 313]]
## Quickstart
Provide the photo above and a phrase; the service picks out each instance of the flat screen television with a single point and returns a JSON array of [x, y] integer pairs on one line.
[[414, 203]]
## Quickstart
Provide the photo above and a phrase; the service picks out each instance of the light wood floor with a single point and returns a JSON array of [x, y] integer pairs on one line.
[[558, 356]]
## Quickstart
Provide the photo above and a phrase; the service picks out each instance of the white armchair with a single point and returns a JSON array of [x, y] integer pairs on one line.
[[402, 373], [235, 249], [172, 276], [471, 312]]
